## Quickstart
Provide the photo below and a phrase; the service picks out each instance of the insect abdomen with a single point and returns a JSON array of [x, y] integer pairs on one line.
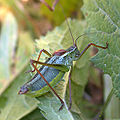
[[50, 74], [40, 87], [37, 86]]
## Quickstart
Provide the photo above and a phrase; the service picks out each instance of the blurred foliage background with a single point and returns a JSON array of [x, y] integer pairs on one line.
[[22, 22]]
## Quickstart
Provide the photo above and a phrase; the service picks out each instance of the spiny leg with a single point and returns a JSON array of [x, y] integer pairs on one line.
[[48, 85], [92, 44], [46, 52], [70, 98]]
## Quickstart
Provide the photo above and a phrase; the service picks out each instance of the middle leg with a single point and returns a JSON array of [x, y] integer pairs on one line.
[[70, 98]]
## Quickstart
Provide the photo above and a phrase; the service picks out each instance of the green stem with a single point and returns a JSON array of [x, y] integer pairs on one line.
[[107, 102]]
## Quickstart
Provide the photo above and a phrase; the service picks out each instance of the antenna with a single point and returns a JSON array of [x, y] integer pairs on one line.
[[83, 35], [68, 25]]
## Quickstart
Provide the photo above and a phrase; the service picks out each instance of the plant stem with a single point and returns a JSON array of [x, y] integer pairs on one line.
[[107, 102]]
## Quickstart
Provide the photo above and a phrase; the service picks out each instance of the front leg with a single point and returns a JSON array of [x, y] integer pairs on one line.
[[92, 44]]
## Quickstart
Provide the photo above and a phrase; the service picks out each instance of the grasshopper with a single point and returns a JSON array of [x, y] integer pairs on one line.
[[53, 69]]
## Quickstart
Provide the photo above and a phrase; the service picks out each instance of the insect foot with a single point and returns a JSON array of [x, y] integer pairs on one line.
[[61, 107]]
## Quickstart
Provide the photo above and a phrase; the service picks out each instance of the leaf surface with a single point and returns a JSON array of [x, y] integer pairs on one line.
[[34, 115], [103, 17], [49, 106], [8, 39], [12, 105]]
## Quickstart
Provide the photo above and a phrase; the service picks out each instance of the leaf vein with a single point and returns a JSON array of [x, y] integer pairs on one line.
[[110, 20]]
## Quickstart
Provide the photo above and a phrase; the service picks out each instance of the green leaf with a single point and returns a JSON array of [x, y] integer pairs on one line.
[[49, 106], [25, 50], [103, 17], [12, 105], [35, 115], [60, 37], [113, 109], [8, 39]]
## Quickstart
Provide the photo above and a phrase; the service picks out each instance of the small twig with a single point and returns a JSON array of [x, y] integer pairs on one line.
[[48, 6]]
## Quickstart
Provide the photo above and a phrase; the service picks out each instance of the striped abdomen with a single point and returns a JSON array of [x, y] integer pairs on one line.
[[37, 86]]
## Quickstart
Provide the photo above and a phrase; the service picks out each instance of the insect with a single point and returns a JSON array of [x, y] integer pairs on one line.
[[53, 69]]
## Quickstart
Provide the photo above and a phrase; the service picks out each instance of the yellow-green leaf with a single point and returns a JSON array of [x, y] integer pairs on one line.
[[8, 39]]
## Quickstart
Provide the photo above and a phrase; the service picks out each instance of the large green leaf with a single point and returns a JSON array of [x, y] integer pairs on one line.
[[12, 60], [35, 115], [103, 17], [25, 50], [8, 39], [49, 107], [12, 105]]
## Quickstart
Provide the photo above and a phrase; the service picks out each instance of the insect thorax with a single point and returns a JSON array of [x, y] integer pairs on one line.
[[71, 55]]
